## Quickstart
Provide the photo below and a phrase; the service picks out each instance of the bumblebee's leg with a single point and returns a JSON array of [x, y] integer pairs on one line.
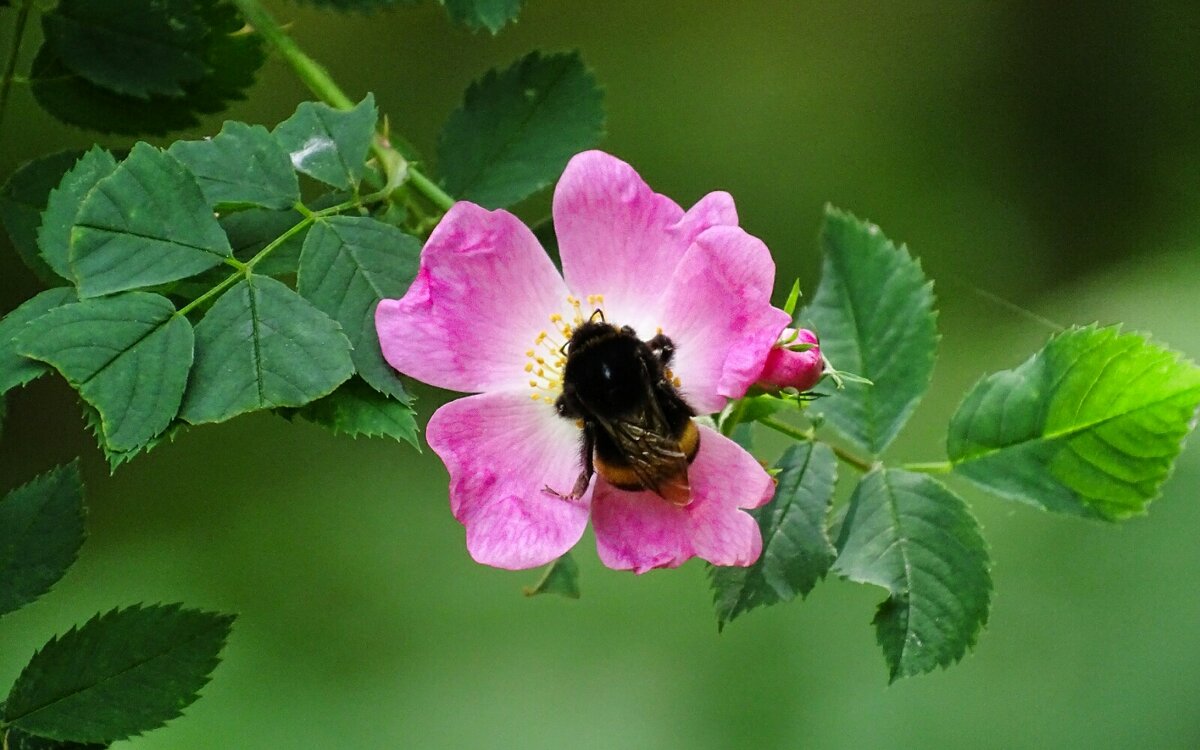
[[589, 468], [662, 347]]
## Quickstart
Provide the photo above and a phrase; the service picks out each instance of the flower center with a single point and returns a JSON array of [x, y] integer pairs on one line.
[[545, 361]]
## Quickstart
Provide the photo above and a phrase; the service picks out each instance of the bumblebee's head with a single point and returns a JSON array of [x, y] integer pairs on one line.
[[589, 332]]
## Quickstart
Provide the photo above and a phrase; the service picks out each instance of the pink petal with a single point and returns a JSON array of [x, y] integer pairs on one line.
[[620, 239], [718, 312], [502, 450], [484, 289], [639, 530]]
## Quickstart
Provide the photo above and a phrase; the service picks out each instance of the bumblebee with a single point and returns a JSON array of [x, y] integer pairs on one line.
[[638, 431]]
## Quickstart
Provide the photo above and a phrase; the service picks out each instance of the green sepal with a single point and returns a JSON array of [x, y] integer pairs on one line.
[[560, 577]]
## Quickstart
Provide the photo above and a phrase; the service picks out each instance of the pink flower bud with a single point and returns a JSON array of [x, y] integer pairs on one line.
[[787, 368]]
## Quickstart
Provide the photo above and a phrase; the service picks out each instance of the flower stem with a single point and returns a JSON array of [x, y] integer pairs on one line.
[[10, 68], [809, 436], [313, 75]]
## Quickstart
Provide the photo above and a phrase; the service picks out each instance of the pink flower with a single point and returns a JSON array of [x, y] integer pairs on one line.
[[488, 314], [795, 362]]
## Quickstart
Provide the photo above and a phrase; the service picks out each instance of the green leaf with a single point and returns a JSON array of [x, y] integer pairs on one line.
[[16, 369], [263, 346], [131, 47], [349, 263], [15, 739], [252, 230], [115, 457], [145, 224], [561, 577], [54, 236], [1090, 425], [517, 128], [915, 538], [22, 200], [365, 6], [483, 14], [356, 408], [121, 674], [328, 144], [242, 166], [232, 59], [796, 548], [874, 312], [42, 523], [127, 355]]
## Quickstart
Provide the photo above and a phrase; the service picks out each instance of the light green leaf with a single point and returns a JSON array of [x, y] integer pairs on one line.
[[41, 531], [145, 224], [517, 128], [349, 263], [121, 674], [483, 14], [561, 577], [54, 236], [127, 355], [130, 47], [874, 313], [329, 144], [915, 538], [16, 369], [796, 548], [242, 166], [22, 200], [1090, 425], [263, 346], [356, 408]]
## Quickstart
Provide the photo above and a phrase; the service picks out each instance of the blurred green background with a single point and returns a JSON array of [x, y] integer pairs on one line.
[[1048, 153]]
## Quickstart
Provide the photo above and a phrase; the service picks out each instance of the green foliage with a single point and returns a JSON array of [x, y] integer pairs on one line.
[[15, 739], [130, 47], [42, 524], [16, 369], [328, 144], [365, 6], [912, 536], [483, 14], [62, 206], [1090, 425], [874, 313], [517, 128], [145, 224], [242, 166], [114, 456], [263, 346], [251, 230], [796, 551], [561, 577], [356, 409], [349, 263], [22, 200], [230, 61], [127, 355], [123, 673]]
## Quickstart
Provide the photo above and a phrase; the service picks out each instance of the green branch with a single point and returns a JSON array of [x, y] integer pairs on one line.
[[318, 81], [809, 436], [10, 68]]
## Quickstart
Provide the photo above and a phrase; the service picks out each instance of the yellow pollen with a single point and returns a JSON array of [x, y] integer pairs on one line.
[[676, 382], [529, 353], [533, 384], [554, 318], [528, 367]]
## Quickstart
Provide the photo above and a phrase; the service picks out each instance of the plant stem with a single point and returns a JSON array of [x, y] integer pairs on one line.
[[10, 68], [318, 81], [809, 436], [930, 467]]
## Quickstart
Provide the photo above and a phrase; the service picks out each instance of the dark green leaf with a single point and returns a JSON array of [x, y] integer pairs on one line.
[[147, 223], [263, 346], [115, 457], [22, 200], [874, 312], [517, 128], [915, 538], [242, 166], [15, 739], [41, 530], [54, 236], [356, 408], [349, 264], [1090, 425], [483, 14], [796, 548], [16, 369], [127, 355], [252, 230], [561, 577], [131, 47], [329, 144], [123, 673]]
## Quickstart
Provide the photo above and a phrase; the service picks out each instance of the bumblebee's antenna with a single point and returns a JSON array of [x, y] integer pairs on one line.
[[596, 312]]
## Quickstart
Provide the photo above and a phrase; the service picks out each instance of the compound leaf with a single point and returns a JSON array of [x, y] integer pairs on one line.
[[16, 369], [483, 14], [356, 408], [242, 166], [22, 200], [328, 144], [62, 206]]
